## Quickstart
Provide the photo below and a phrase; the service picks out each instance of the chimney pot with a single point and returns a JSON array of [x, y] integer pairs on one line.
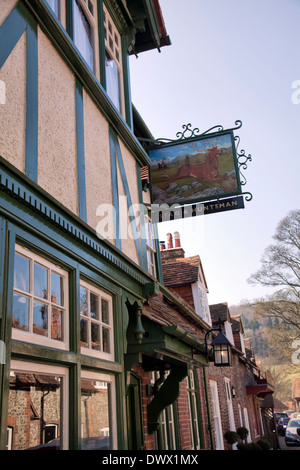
[[170, 240], [177, 240], [162, 245]]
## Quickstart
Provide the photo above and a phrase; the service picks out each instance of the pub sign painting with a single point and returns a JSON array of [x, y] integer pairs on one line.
[[194, 170]]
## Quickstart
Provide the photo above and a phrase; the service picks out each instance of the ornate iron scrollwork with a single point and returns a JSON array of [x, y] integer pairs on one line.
[[243, 160], [189, 133], [187, 128]]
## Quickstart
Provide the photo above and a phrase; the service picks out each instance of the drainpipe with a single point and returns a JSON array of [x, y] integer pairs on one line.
[[208, 411]]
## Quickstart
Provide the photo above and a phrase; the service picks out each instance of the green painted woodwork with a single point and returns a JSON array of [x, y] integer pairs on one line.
[[69, 18], [165, 396], [6, 325], [134, 414], [196, 414], [31, 142], [80, 152], [210, 427], [101, 43], [33, 218], [17, 22], [11, 31], [21, 194]]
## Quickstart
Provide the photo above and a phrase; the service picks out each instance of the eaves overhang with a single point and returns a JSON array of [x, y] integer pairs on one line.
[[149, 26], [260, 390], [168, 346]]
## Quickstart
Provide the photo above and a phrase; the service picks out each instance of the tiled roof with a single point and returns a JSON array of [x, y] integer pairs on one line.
[[219, 311], [166, 313], [237, 324], [181, 271]]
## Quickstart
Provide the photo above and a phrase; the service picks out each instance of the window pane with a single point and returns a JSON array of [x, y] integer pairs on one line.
[[34, 405], [95, 334], [105, 311], [83, 301], [53, 5], [112, 81], [57, 324], [82, 34], [57, 289], [20, 318], [21, 273], [84, 333], [106, 340], [95, 422], [40, 281], [40, 318], [94, 300]]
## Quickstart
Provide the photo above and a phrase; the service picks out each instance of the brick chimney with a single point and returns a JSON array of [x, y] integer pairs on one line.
[[171, 252]]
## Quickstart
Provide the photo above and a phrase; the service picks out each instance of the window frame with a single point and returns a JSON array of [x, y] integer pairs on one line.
[[112, 41], [88, 351], [30, 336], [58, 370], [193, 401], [92, 23], [110, 379], [150, 246]]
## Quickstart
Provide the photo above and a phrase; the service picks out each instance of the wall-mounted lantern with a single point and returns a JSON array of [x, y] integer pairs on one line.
[[221, 348]]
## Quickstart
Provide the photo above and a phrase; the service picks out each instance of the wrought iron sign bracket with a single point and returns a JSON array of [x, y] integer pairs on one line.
[[189, 134]]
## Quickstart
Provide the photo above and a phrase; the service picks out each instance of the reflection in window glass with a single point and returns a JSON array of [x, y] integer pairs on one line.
[[53, 5], [21, 273], [105, 311], [94, 299], [35, 411], [83, 34], [95, 422], [95, 340], [95, 321], [83, 301], [106, 340], [112, 81], [57, 324], [20, 312], [34, 309], [57, 289], [40, 281], [40, 318], [84, 333]]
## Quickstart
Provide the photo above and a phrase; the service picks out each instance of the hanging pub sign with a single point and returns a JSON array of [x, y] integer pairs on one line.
[[197, 168]]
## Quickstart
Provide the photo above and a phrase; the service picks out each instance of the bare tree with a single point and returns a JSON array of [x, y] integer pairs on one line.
[[280, 269]]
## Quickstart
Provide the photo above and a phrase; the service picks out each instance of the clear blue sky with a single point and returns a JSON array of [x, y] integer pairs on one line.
[[229, 60]]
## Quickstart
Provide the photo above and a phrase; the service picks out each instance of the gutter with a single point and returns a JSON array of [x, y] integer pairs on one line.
[[180, 333]]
